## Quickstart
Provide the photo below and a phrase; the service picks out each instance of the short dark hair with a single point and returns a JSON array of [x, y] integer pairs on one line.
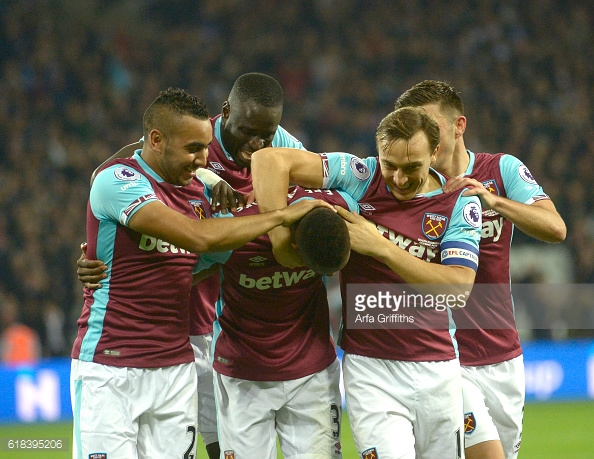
[[404, 123], [261, 88], [168, 107], [323, 241], [432, 92]]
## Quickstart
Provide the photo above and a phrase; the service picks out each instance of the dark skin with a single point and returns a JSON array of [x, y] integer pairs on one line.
[[247, 127]]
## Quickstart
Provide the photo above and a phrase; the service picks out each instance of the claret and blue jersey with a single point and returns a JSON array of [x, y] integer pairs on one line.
[[486, 327], [139, 318], [205, 293], [435, 227], [272, 322]]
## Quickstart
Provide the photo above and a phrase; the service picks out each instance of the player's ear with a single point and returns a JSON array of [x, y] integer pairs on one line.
[[459, 126], [225, 110], [156, 139], [434, 155]]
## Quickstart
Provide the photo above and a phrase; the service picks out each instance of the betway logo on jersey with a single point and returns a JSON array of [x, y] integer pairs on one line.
[[492, 228], [279, 279], [412, 247], [148, 243]]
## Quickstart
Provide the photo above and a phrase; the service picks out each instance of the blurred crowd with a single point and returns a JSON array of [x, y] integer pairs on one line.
[[76, 77]]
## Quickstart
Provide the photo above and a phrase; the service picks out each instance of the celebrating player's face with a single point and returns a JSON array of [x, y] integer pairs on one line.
[[405, 165], [184, 150], [248, 127]]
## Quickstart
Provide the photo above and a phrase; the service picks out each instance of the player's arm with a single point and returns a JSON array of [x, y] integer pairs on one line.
[[367, 240], [272, 171], [213, 234], [274, 168], [539, 219]]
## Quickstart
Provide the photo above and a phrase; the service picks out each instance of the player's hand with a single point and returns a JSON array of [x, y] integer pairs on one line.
[[250, 198], [283, 248], [475, 188], [225, 198], [90, 272], [295, 211], [363, 234]]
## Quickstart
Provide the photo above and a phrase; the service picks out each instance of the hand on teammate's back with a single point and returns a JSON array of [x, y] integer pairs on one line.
[[90, 272]]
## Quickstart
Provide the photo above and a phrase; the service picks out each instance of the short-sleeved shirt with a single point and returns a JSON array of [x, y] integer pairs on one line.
[[491, 300], [140, 316], [434, 227], [272, 322], [206, 292]]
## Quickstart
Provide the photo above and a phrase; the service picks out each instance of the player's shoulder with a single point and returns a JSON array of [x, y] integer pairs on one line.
[[120, 173], [283, 138]]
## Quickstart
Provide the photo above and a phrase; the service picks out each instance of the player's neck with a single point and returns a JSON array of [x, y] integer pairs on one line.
[[458, 162], [433, 183]]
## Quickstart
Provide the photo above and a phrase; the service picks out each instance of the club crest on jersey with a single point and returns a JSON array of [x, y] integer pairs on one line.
[[370, 453], [229, 454], [526, 175], [216, 166], [472, 214], [491, 186], [469, 423], [198, 208], [359, 169], [434, 225], [126, 174]]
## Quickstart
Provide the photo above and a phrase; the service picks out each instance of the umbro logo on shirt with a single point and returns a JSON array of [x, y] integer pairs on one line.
[[216, 166], [366, 207], [257, 261]]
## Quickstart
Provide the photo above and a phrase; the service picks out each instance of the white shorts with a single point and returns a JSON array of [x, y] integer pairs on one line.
[[207, 413], [494, 404], [304, 412], [404, 410], [123, 413]]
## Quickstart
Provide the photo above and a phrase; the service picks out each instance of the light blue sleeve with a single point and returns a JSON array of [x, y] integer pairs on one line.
[[460, 244], [519, 183], [349, 173], [206, 260], [118, 192], [284, 139]]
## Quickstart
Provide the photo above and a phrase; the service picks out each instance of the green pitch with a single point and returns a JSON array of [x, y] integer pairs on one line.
[[551, 431]]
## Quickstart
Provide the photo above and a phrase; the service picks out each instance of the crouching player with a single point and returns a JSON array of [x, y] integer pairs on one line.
[[276, 370]]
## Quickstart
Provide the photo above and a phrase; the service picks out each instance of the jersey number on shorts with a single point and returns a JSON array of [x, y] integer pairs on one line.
[[189, 452], [335, 413], [458, 445]]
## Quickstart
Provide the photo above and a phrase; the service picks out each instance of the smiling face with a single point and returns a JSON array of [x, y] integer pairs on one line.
[[405, 165], [247, 127], [183, 150]]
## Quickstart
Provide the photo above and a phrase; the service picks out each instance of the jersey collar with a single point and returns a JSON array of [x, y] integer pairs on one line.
[[145, 167], [471, 163]]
